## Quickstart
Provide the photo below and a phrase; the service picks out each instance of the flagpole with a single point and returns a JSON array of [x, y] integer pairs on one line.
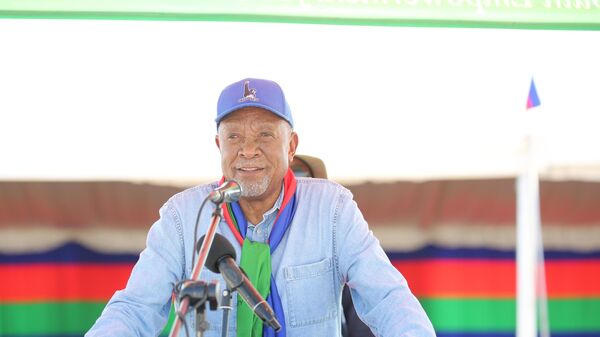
[[542, 287], [529, 250], [527, 244]]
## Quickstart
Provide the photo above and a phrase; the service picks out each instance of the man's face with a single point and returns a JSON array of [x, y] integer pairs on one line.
[[257, 148]]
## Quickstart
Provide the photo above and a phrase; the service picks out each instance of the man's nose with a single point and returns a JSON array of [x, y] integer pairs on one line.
[[249, 148]]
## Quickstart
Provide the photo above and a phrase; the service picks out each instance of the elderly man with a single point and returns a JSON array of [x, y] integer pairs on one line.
[[299, 240]]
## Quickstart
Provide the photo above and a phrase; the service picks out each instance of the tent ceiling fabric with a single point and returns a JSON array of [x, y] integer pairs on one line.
[[529, 14], [404, 215]]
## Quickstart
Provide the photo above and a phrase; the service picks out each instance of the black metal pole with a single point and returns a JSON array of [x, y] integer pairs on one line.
[[226, 306]]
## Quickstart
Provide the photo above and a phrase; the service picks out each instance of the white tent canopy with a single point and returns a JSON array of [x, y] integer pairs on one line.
[[136, 100]]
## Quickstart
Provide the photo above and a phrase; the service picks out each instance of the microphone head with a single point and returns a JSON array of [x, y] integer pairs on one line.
[[229, 191], [220, 248]]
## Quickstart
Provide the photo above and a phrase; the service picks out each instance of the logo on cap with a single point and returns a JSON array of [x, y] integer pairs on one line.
[[249, 93]]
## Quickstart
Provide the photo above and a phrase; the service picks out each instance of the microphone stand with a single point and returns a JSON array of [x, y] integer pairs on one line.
[[184, 305], [198, 293], [226, 306]]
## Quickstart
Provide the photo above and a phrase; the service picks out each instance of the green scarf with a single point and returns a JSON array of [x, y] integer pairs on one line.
[[256, 262]]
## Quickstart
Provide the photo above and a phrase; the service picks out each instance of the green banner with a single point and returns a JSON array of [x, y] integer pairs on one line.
[[479, 314], [578, 315], [54, 318], [530, 14]]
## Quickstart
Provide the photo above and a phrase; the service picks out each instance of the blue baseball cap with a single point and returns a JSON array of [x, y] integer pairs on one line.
[[253, 92]]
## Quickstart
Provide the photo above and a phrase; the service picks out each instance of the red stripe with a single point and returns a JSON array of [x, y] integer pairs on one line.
[[229, 220], [231, 225], [430, 278], [573, 278], [57, 282], [459, 278], [289, 183], [496, 279], [289, 189]]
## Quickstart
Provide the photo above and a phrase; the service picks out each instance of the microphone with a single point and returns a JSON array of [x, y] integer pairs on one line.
[[221, 259], [229, 191]]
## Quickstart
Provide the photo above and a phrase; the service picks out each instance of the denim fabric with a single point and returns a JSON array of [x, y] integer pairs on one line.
[[261, 231], [327, 244]]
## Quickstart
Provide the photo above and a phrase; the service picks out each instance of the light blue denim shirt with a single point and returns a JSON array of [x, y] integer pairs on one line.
[[327, 244], [261, 231]]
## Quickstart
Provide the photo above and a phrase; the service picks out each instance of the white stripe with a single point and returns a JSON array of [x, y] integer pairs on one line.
[[407, 237], [112, 240]]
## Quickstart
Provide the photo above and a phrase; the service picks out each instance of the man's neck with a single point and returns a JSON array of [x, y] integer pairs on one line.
[[255, 208]]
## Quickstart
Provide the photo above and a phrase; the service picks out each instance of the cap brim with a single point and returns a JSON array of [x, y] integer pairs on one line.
[[226, 113]]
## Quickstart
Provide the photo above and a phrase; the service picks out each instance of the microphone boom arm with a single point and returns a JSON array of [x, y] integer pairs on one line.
[[203, 253]]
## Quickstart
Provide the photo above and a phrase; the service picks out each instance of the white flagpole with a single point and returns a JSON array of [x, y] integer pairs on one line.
[[531, 273], [527, 243], [542, 288]]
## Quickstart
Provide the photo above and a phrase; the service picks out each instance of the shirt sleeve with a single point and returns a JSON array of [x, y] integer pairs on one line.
[[142, 308], [380, 293]]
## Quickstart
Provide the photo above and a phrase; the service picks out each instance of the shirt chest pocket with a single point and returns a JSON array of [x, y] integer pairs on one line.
[[309, 289]]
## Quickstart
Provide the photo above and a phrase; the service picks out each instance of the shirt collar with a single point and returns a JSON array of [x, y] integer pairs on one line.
[[277, 205], [273, 209]]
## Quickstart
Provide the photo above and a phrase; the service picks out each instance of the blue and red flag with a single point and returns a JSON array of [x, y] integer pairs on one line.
[[532, 100]]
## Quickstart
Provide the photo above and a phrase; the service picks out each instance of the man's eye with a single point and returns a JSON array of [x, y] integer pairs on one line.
[[266, 134], [233, 136]]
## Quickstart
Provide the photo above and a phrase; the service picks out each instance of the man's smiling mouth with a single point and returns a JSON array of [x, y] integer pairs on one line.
[[249, 169]]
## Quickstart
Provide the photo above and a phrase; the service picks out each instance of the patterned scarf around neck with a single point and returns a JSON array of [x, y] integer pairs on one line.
[[256, 260]]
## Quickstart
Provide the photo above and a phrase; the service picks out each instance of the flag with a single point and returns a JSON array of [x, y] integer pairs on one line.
[[532, 100]]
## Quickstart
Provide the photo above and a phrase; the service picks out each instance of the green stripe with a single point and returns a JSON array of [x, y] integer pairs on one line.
[[528, 14], [467, 315], [232, 216], [499, 315], [54, 318], [167, 328], [48, 318], [536, 14], [591, 26], [584, 314], [471, 314]]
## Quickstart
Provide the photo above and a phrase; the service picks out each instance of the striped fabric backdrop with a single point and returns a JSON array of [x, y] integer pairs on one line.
[[66, 247]]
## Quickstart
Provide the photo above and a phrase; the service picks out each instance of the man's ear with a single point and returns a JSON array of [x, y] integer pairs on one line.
[[293, 146], [217, 142]]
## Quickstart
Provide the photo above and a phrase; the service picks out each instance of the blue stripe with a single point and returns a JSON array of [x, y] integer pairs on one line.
[[68, 253], [75, 253], [569, 255], [438, 252]]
